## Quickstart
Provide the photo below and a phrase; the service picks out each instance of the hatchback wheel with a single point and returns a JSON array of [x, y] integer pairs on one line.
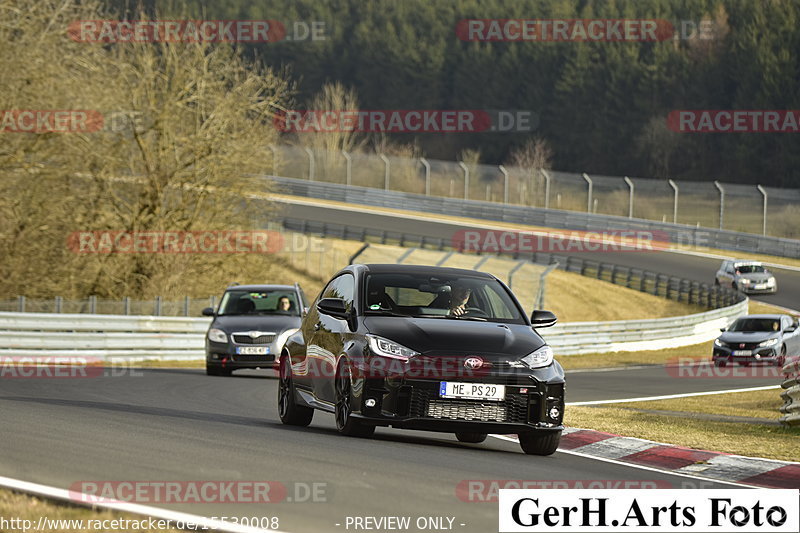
[[782, 359], [539, 443], [290, 412], [345, 423], [472, 438]]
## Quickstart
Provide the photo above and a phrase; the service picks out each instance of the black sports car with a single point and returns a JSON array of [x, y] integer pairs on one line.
[[428, 348], [251, 326]]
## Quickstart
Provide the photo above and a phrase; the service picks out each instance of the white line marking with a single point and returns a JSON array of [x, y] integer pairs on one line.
[[671, 396], [633, 465], [144, 510]]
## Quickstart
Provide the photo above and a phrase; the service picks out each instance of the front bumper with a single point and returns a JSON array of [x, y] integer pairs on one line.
[[751, 288], [767, 355], [224, 356], [529, 405]]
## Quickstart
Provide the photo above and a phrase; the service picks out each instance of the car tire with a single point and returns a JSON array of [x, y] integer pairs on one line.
[[539, 443], [716, 282], [345, 423], [471, 438], [289, 411]]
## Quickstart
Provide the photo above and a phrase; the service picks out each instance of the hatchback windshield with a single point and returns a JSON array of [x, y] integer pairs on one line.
[[755, 324], [750, 269], [243, 302], [420, 295]]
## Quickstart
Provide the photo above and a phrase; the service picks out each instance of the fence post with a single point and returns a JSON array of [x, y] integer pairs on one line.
[[764, 217], [311, 166], [511, 273], [674, 201], [93, 304], [542, 283], [126, 305], [630, 196], [546, 188], [385, 171], [59, 301], [185, 306], [721, 202], [427, 175], [466, 179], [589, 191], [349, 168], [158, 305], [274, 151], [21, 304], [505, 183]]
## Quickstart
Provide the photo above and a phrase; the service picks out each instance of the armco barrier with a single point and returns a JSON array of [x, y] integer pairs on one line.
[[791, 396], [537, 216], [170, 338]]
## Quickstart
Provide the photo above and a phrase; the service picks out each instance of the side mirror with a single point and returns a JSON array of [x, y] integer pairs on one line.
[[208, 311], [543, 319], [332, 307], [305, 310], [790, 329], [723, 329]]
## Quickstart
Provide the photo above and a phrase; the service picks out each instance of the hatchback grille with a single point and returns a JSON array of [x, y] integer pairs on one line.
[[426, 403], [247, 339]]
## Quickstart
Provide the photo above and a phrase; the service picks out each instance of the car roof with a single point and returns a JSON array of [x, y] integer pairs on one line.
[[260, 288], [773, 317], [393, 268], [745, 262]]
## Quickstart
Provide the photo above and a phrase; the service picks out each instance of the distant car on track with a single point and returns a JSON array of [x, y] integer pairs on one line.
[[758, 339], [426, 348], [750, 277], [251, 325]]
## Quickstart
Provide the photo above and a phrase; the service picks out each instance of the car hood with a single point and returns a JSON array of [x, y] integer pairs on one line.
[[276, 323], [441, 336], [748, 336]]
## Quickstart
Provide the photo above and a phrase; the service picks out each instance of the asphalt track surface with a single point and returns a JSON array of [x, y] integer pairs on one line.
[[675, 264], [172, 425]]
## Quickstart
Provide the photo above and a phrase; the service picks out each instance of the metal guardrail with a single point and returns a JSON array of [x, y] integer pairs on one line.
[[791, 394], [101, 336], [171, 338], [537, 216], [679, 289]]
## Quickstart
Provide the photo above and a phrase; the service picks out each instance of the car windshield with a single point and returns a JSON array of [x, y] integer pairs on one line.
[[755, 324], [270, 302], [750, 269], [440, 296]]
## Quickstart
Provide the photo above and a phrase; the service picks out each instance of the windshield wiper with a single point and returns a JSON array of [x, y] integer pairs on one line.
[[384, 312], [454, 317]]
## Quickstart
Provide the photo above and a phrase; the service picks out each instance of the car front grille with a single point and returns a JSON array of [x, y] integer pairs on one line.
[[243, 338], [427, 404]]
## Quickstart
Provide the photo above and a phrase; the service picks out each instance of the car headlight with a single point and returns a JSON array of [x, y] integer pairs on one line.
[[768, 342], [539, 358], [282, 338], [771, 281], [718, 342], [387, 348], [217, 335], [744, 281]]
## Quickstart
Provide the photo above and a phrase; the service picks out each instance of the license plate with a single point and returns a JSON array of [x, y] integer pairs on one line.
[[471, 391], [742, 352], [761, 286], [252, 350]]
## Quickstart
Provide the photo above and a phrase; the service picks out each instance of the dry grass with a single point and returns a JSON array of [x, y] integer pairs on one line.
[[755, 440], [649, 357], [16, 505]]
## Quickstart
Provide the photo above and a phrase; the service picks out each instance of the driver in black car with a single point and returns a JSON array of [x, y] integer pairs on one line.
[[459, 296]]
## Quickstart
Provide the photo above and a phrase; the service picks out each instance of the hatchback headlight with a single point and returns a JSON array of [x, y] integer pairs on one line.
[[387, 348], [744, 281], [771, 281], [539, 358], [768, 342], [217, 335], [282, 338], [718, 342]]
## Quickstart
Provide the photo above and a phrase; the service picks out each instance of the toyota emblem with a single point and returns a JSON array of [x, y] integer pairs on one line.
[[741, 345], [473, 363]]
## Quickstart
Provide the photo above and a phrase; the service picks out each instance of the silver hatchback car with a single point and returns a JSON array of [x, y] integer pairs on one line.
[[750, 277]]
